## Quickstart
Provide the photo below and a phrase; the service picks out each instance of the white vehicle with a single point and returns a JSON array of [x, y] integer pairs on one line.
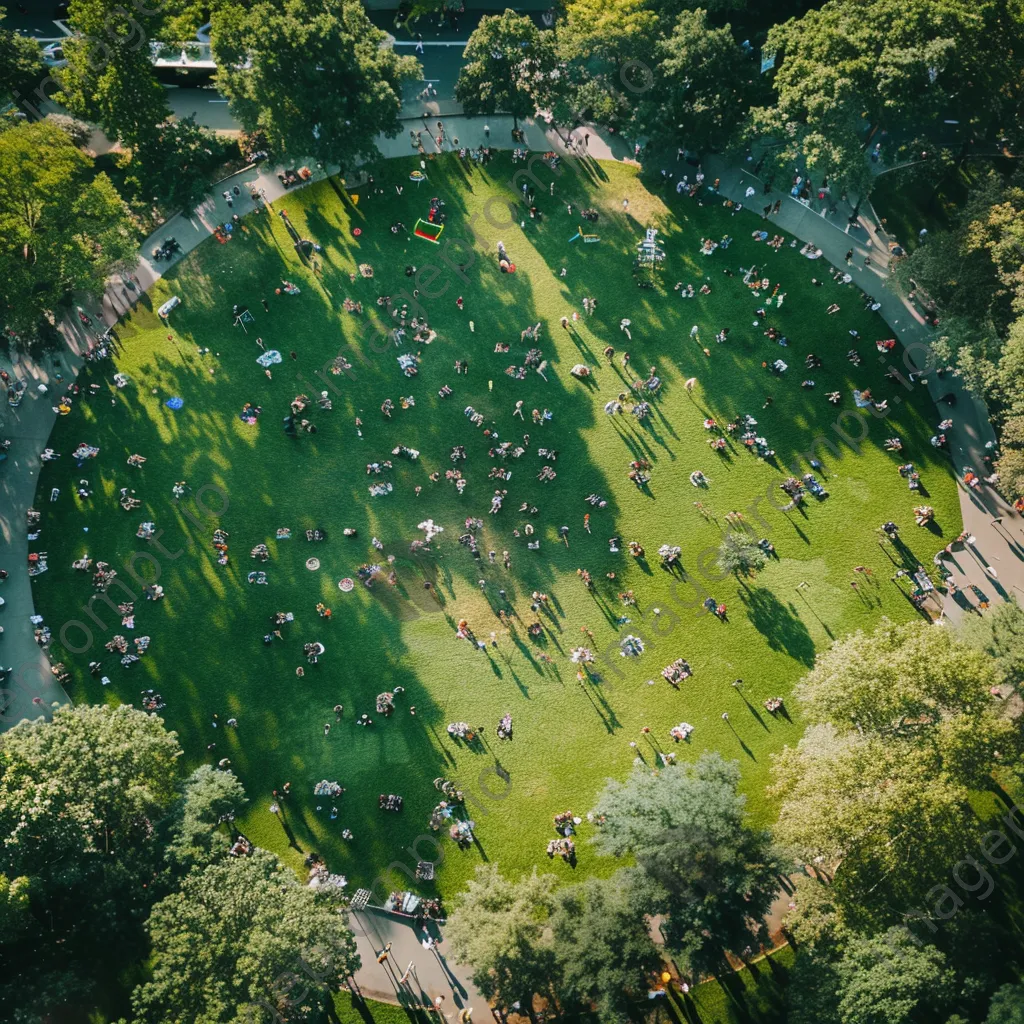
[[53, 55]]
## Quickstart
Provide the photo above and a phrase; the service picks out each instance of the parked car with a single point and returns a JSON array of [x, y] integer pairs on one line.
[[53, 56]]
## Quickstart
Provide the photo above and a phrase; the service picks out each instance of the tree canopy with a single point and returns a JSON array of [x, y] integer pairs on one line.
[[498, 927], [892, 979], [20, 61], [604, 949], [710, 873], [62, 228], [903, 729], [317, 79], [239, 937], [507, 64], [702, 84], [80, 800], [109, 76], [1007, 1006], [853, 67]]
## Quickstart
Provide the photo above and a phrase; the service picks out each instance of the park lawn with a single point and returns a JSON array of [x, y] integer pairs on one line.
[[207, 655]]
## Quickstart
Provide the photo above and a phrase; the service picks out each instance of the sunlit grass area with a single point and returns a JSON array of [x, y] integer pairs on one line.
[[207, 656]]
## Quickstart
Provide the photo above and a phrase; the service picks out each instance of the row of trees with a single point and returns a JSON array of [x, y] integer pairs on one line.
[[974, 273], [107, 853], [876, 800], [846, 73], [318, 80], [313, 79]]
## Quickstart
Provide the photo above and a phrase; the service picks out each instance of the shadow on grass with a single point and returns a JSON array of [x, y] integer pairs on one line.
[[778, 623]]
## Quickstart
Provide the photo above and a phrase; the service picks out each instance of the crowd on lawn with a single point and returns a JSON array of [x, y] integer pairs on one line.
[[506, 448]]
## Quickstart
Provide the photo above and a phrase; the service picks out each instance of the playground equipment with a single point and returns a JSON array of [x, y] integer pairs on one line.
[[586, 238], [431, 228]]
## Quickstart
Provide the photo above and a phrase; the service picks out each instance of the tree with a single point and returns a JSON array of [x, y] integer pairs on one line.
[[855, 66], [109, 78], [80, 799], [316, 78], [702, 85], [892, 978], [899, 681], [883, 810], [604, 949], [173, 163], [21, 63], [605, 52], [242, 936], [507, 63], [498, 927], [15, 908], [62, 228], [1007, 1006], [739, 553], [209, 797], [712, 875]]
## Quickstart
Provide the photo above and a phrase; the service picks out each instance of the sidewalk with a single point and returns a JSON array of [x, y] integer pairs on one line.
[[31, 689], [431, 975]]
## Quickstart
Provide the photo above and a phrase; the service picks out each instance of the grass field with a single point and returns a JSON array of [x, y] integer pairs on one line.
[[207, 655]]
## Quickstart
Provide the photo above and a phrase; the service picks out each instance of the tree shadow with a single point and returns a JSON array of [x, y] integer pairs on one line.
[[778, 623]]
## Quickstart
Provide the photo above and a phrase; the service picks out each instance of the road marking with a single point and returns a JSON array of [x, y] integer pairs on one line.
[[216, 101], [412, 42]]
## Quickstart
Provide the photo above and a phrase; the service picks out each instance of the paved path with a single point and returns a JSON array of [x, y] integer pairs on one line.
[[31, 689], [431, 975]]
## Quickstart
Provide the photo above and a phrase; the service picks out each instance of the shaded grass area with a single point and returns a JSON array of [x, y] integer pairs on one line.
[[755, 994], [905, 207], [207, 655]]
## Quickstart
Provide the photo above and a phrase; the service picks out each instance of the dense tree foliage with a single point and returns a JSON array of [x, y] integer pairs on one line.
[[109, 76], [605, 53], [240, 938], [81, 798], [1007, 1005], [508, 63], [974, 274], [498, 928], [315, 78], [603, 946], [97, 827], [711, 874], [21, 63], [855, 67], [62, 228], [903, 729], [702, 84]]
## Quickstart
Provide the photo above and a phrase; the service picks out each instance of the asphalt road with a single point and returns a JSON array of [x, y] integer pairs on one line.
[[209, 107], [440, 70], [37, 19]]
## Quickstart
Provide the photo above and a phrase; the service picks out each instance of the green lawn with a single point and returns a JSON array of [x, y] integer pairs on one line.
[[207, 656]]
